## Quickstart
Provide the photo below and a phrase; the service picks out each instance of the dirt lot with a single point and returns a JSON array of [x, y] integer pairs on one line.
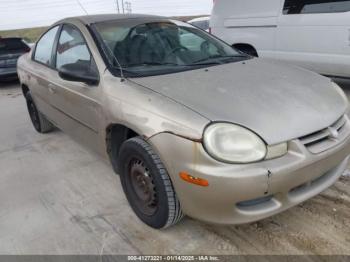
[[59, 198]]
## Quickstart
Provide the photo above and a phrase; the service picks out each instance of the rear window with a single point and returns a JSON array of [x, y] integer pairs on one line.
[[8, 45], [315, 6]]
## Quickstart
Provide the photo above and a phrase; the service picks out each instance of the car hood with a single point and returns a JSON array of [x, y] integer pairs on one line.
[[276, 101]]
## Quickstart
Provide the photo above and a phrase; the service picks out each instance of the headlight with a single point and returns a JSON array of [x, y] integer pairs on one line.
[[234, 144], [340, 91]]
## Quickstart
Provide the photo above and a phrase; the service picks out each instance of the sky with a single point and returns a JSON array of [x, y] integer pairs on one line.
[[15, 14]]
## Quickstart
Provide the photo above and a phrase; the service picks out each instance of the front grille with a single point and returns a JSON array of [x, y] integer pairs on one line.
[[327, 138], [255, 202]]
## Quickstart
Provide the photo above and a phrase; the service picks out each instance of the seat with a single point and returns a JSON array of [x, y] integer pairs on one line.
[[136, 50], [120, 52]]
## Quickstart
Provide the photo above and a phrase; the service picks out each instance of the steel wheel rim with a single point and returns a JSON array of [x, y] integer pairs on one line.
[[143, 187]]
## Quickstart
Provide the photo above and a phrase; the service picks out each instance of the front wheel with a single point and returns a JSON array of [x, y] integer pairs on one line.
[[147, 185]]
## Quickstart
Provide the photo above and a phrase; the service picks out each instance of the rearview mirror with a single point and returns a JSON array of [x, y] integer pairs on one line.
[[79, 72]]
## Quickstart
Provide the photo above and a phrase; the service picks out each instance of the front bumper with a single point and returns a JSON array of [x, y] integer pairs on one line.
[[240, 194], [8, 72]]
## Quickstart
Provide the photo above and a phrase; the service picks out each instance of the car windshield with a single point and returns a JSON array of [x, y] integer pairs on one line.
[[161, 47]]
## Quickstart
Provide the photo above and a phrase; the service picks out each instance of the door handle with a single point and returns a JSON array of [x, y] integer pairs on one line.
[[52, 89]]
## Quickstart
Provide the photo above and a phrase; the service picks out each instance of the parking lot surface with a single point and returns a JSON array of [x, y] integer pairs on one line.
[[56, 197]]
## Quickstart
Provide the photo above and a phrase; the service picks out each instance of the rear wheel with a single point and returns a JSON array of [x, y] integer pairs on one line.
[[147, 185], [40, 122]]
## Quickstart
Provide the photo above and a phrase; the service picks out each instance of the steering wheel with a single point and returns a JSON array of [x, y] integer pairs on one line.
[[174, 50]]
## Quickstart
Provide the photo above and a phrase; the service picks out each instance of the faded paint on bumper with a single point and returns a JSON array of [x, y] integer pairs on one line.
[[290, 180]]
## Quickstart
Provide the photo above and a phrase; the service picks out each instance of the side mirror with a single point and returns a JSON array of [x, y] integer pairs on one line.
[[79, 72]]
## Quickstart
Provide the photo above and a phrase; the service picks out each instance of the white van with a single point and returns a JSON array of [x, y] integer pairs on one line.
[[314, 34]]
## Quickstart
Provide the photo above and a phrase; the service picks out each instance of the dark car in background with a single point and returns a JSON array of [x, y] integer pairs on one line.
[[10, 50]]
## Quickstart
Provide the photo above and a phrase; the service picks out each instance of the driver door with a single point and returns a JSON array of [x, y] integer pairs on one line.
[[78, 105]]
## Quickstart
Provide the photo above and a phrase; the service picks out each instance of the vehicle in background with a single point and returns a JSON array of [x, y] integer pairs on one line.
[[201, 22], [314, 34], [31, 45], [10, 50]]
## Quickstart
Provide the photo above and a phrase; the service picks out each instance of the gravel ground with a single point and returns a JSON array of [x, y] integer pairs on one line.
[[59, 198]]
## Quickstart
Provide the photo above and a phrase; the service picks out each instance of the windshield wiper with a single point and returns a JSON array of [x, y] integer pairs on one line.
[[216, 61], [205, 63], [150, 64]]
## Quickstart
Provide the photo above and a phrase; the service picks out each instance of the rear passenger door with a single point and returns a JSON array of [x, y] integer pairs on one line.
[[315, 34], [77, 104]]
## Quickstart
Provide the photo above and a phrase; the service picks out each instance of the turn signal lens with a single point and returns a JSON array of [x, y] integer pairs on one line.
[[193, 180]]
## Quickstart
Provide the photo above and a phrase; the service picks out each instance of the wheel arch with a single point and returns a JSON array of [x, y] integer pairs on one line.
[[116, 135], [246, 48], [25, 89]]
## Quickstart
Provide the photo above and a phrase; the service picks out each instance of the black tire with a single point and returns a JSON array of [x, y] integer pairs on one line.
[[39, 121], [158, 205]]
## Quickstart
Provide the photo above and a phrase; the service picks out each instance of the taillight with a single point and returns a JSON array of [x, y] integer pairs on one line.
[[27, 49]]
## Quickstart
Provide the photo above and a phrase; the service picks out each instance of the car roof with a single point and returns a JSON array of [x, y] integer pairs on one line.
[[91, 19]]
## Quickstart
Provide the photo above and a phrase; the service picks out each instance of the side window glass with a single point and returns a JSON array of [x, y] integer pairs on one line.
[[292, 7], [72, 48], [319, 7], [43, 50], [315, 6]]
